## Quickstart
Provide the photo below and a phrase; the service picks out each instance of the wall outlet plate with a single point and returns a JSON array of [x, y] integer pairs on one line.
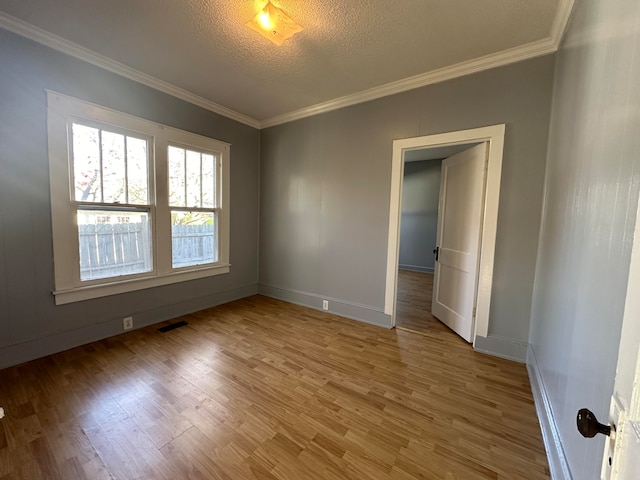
[[325, 304], [127, 323]]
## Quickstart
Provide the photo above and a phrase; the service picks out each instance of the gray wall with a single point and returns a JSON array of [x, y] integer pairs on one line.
[[326, 183], [30, 324], [593, 178], [419, 215]]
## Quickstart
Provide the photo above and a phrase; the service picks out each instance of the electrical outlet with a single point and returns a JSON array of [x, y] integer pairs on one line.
[[127, 323], [325, 304]]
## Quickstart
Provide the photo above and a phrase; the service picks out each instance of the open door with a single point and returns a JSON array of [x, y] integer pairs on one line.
[[493, 136], [458, 240], [622, 450]]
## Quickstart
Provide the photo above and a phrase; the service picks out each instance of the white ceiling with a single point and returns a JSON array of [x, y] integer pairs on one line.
[[349, 51], [435, 153]]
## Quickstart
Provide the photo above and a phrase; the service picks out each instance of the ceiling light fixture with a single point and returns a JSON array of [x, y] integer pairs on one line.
[[274, 24]]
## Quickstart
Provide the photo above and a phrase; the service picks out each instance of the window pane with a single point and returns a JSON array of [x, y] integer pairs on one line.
[[86, 163], [194, 238], [176, 177], [137, 174], [208, 181], [113, 243], [113, 168], [194, 176]]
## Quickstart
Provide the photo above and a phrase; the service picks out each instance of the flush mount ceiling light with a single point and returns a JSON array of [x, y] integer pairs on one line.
[[274, 24]]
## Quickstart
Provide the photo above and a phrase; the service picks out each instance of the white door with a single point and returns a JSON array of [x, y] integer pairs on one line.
[[458, 239], [623, 448]]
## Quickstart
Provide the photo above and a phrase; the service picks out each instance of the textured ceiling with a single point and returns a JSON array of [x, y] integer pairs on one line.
[[204, 46]]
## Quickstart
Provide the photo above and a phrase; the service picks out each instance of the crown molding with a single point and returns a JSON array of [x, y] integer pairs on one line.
[[506, 57], [561, 21], [36, 34]]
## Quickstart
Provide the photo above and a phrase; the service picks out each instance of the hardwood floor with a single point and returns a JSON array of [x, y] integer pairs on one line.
[[413, 304], [262, 389]]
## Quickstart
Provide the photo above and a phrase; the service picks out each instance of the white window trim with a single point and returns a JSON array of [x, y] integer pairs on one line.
[[61, 110]]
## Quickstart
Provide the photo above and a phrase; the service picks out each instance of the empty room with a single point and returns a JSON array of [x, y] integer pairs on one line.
[[252, 239]]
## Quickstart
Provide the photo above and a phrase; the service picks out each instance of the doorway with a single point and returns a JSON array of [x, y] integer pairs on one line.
[[440, 238], [494, 136], [420, 197]]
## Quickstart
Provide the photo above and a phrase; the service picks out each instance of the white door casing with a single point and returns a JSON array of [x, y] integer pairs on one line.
[[458, 239], [623, 448], [494, 136]]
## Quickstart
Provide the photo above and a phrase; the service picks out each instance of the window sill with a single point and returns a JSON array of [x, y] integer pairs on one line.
[[79, 294]]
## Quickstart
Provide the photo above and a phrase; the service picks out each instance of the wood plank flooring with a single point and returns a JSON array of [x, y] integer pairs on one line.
[[413, 304], [261, 389]]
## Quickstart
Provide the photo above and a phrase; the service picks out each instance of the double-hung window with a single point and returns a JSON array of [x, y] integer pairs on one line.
[[134, 204], [110, 171], [192, 200]]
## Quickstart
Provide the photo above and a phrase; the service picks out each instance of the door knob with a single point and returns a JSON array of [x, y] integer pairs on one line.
[[588, 424]]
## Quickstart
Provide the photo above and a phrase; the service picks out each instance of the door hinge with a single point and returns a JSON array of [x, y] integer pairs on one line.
[[474, 312]]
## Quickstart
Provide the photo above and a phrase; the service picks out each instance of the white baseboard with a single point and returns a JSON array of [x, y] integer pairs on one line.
[[501, 347], [354, 311], [416, 268], [59, 342], [558, 464]]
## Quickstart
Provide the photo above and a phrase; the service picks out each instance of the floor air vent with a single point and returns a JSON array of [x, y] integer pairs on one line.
[[173, 326]]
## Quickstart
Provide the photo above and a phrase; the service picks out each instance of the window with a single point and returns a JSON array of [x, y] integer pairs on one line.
[[192, 200], [134, 204], [111, 190]]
